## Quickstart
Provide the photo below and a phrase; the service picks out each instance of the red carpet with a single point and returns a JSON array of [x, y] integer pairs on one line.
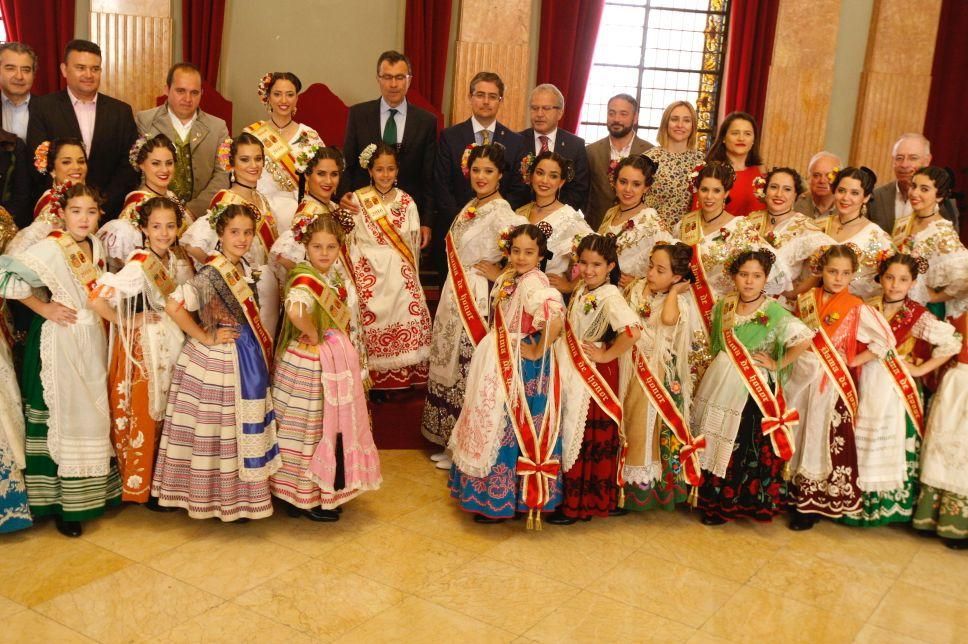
[[396, 423]]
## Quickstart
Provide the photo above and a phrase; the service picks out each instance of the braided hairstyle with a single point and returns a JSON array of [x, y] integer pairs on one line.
[[607, 248]]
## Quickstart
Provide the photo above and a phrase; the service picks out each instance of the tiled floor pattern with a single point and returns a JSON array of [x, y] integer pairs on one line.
[[405, 565]]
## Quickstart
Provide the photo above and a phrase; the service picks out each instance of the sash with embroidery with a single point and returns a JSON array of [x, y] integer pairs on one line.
[[760, 220], [77, 262], [903, 381], [778, 419], [536, 465], [471, 318], [45, 200], [278, 151], [156, 273], [265, 228], [662, 401], [335, 308], [243, 294], [902, 229], [831, 360], [377, 211], [691, 234]]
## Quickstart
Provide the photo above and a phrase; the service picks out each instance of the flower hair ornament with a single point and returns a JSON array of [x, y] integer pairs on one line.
[[833, 174], [464, 167], [135, 150], [613, 171], [504, 240], [694, 178], [525, 168], [814, 260], [759, 187], [40, 157], [301, 225], [223, 154], [366, 157], [546, 229], [922, 263], [57, 193], [306, 146], [264, 83]]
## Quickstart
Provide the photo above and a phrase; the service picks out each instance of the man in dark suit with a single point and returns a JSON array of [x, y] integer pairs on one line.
[[18, 63], [622, 141], [452, 190], [105, 124], [547, 106], [890, 201], [393, 120]]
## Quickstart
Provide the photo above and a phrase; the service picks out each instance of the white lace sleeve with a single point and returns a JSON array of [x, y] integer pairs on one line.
[[944, 337], [187, 295], [620, 315], [544, 304], [120, 239], [29, 236], [299, 301], [288, 248], [200, 235], [794, 332], [128, 282], [14, 288], [874, 331]]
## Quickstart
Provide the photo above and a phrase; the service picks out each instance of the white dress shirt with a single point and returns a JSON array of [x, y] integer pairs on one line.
[[902, 206], [182, 129], [400, 119], [85, 111], [552, 135], [478, 128], [15, 116]]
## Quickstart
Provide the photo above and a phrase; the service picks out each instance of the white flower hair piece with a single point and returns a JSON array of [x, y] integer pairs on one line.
[[366, 156]]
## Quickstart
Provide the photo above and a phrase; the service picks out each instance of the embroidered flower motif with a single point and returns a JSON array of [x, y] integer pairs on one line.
[[525, 168], [138, 440], [464, 168], [722, 235], [223, 154], [40, 157], [134, 482], [759, 187], [590, 303], [675, 387], [264, 84], [367, 155]]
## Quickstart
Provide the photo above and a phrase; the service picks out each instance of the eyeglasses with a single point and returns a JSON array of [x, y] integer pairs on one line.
[[544, 108], [386, 78], [484, 95]]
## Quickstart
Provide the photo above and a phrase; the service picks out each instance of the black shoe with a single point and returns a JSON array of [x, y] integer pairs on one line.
[[152, 504], [926, 534], [293, 511], [242, 520], [321, 515], [800, 521], [708, 519], [955, 544], [480, 518], [68, 528], [558, 518], [617, 512]]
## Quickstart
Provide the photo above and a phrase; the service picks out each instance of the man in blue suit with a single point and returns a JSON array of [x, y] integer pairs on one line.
[[451, 189]]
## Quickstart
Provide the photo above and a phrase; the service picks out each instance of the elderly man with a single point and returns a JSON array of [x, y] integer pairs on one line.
[[890, 201], [18, 62], [818, 200], [195, 134], [104, 124], [395, 121], [622, 141], [547, 106]]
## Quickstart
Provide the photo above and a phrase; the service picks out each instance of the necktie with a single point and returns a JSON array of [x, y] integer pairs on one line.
[[390, 129], [544, 143], [485, 137]]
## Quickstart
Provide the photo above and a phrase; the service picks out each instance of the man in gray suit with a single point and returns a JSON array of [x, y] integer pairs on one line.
[[890, 201], [621, 142], [196, 136]]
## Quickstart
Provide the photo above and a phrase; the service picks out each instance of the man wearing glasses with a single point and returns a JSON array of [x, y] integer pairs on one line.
[[393, 120], [547, 106], [452, 188]]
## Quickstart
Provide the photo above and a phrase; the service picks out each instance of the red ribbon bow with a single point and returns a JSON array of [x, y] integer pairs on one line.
[[689, 457]]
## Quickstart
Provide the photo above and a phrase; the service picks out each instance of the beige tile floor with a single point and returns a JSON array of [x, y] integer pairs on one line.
[[405, 565]]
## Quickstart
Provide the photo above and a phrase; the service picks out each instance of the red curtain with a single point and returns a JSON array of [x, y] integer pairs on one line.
[[426, 41], [752, 28], [943, 124], [202, 35], [568, 34], [45, 25]]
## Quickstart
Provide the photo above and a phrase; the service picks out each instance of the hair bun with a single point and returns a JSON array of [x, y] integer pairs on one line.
[[545, 228]]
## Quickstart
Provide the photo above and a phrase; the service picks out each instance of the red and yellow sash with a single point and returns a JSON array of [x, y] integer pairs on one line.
[[77, 261], [45, 200], [831, 360], [265, 228], [473, 322], [155, 272], [902, 229], [537, 465], [671, 415], [895, 363], [276, 148], [778, 419], [691, 234], [335, 308], [243, 294], [377, 211]]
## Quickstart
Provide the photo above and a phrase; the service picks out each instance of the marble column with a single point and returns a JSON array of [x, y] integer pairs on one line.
[[136, 42], [494, 35], [896, 79], [801, 80]]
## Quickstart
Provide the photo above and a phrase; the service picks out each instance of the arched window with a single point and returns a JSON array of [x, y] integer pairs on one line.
[[659, 51]]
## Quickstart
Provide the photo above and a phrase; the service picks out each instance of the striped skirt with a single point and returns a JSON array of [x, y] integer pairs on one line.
[[198, 463], [74, 499]]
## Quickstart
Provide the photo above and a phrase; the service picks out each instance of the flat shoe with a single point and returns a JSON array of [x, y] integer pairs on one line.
[[439, 456], [153, 505], [444, 464], [323, 516], [480, 518], [617, 512], [558, 518], [955, 544], [69, 528], [800, 522], [708, 519]]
